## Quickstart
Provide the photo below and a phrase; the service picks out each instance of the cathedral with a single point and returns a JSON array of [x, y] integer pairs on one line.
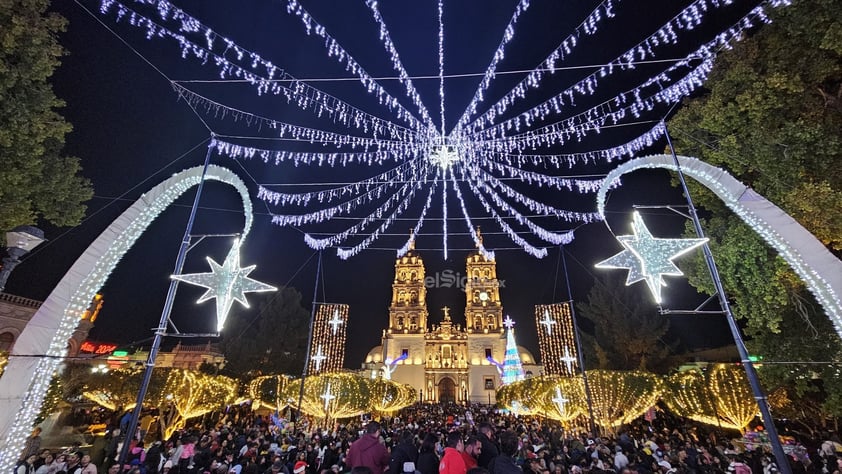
[[445, 362]]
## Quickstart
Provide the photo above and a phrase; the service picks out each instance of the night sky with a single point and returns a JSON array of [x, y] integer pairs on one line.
[[131, 132]]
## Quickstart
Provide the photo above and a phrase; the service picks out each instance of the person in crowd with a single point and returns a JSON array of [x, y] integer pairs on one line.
[[47, 464], [504, 463], [27, 466], [405, 451], [32, 445], [489, 445], [473, 448], [621, 461], [452, 462], [73, 463], [367, 451], [428, 460], [87, 466]]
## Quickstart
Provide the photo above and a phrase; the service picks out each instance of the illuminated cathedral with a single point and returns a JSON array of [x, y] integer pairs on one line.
[[448, 361]]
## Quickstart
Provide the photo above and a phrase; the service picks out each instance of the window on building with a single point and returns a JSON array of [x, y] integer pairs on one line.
[[489, 383]]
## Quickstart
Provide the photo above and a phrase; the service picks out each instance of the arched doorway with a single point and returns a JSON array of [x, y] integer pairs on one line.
[[447, 390]]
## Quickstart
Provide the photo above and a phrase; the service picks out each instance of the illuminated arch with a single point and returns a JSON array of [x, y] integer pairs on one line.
[[26, 379], [814, 264]]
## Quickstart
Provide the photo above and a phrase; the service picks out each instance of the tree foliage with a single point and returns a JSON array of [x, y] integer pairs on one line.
[[772, 116], [272, 340], [35, 180], [628, 333]]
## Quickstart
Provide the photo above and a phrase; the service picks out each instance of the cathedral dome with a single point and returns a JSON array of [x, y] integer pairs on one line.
[[375, 355], [526, 357]]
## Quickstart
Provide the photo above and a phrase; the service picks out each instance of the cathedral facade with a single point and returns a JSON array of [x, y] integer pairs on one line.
[[448, 361]]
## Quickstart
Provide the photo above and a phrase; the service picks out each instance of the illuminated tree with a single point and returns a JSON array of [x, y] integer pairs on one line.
[[719, 396], [558, 398], [335, 395], [386, 396], [268, 391], [620, 397], [117, 389], [187, 394]]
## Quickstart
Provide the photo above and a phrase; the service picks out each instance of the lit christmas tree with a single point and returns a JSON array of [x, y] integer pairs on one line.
[[512, 368]]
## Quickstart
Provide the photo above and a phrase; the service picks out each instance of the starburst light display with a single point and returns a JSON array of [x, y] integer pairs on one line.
[[649, 258], [492, 157], [226, 283]]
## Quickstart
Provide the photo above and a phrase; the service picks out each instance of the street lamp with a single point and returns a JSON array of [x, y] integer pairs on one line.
[[19, 241]]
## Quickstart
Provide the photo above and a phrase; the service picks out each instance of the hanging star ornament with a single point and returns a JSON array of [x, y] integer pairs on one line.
[[227, 282], [649, 258]]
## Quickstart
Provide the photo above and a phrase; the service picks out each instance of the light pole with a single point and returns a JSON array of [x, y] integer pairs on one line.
[[19, 241]]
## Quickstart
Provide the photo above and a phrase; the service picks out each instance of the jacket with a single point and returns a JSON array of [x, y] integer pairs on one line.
[[367, 451], [452, 462]]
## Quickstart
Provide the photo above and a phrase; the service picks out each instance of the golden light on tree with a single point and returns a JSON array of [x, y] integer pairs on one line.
[[188, 394], [386, 396], [268, 391], [335, 395], [551, 396], [117, 389], [719, 396], [520, 397], [620, 397]]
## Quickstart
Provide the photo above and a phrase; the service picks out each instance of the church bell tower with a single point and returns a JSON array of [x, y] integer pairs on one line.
[[483, 309], [408, 311]]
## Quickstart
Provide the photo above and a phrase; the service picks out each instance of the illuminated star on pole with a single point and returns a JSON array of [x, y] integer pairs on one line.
[[649, 258], [548, 323], [509, 322], [560, 401], [227, 282], [336, 321]]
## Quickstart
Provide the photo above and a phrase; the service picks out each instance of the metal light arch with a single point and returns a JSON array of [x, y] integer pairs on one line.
[[26, 378]]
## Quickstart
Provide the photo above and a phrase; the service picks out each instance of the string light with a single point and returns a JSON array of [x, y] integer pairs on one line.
[[63, 308], [226, 283], [329, 337], [512, 367], [718, 396], [649, 258], [555, 345], [267, 391]]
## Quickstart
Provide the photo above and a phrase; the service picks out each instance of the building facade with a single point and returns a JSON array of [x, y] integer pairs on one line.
[[448, 361]]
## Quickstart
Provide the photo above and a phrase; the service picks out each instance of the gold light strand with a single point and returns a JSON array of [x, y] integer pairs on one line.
[[328, 348], [720, 396], [557, 339], [268, 391], [387, 396], [350, 393], [620, 397]]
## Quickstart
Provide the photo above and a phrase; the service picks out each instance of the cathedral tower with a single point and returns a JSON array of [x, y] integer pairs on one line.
[[483, 311], [408, 311]]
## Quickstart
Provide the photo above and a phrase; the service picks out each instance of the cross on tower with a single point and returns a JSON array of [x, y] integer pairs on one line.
[[318, 358], [336, 321], [548, 322]]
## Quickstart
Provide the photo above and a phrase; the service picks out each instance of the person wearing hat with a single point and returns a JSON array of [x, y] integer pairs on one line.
[[299, 467], [278, 467], [621, 461]]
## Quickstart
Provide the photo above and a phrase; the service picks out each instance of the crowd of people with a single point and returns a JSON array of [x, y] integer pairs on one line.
[[423, 439]]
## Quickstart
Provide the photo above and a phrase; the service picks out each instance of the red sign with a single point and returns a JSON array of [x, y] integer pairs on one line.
[[97, 348]]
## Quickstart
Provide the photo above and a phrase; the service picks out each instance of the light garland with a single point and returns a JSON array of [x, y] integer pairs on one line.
[[719, 396], [479, 146], [329, 337], [620, 397], [649, 258], [512, 367], [267, 391], [471, 229], [226, 283], [556, 339], [349, 391]]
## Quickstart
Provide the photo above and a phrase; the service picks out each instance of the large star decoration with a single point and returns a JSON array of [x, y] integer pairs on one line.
[[649, 258], [227, 282]]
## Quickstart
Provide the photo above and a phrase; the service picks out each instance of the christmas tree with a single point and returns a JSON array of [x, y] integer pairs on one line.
[[512, 369]]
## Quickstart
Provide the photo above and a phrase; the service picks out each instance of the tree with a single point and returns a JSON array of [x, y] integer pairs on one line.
[[187, 394], [35, 180], [271, 341], [628, 333], [772, 116]]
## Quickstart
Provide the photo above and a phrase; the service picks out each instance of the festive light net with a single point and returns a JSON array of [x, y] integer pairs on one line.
[[514, 152], [720, 395]]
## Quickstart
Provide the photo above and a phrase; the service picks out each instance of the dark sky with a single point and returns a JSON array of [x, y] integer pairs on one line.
[[131, 132]]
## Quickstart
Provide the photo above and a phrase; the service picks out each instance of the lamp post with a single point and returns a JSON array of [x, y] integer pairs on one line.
[[19, 241]]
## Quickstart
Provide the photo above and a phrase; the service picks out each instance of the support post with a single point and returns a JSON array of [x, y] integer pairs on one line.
[[751, 373], [309, 339]]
